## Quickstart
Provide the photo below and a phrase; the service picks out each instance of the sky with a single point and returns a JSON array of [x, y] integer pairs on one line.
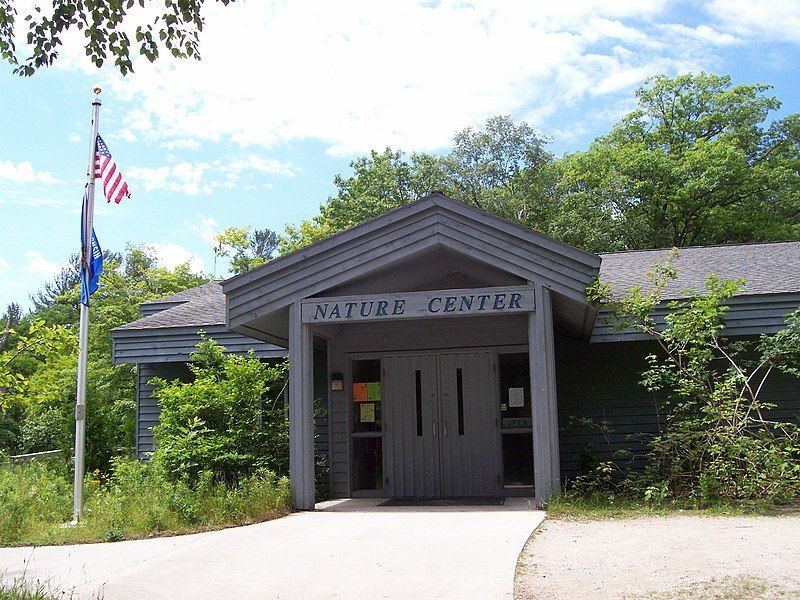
[[288, 93]]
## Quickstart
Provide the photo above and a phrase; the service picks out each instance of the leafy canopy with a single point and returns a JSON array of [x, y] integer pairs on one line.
[[38, 358], [700, 161], [503, 169], [246, 248], [720, 441], [117, 30]]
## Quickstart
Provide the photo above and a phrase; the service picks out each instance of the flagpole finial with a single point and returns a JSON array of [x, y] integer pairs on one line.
[[97, 89]]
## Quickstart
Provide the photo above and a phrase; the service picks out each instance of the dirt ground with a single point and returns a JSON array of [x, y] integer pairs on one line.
[[675, 557]]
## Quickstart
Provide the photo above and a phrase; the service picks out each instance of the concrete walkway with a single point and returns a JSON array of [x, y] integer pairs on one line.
[[348, 549]]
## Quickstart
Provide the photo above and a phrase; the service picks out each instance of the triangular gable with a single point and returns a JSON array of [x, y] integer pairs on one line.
[[435, 220]]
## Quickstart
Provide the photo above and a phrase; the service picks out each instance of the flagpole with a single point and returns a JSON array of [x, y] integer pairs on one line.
[[83, 332]]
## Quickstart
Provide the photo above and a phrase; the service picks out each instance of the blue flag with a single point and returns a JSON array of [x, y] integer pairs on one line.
[[92, 265]]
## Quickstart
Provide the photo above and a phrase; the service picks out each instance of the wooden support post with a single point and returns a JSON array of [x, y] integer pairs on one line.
[[301, 411], [546, 463]]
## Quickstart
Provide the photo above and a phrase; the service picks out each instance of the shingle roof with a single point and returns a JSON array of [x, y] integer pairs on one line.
[[212, 287], [201, 305], [772, 268]]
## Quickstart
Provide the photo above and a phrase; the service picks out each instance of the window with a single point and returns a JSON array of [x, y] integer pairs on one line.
[[515, 419], [366, 398]]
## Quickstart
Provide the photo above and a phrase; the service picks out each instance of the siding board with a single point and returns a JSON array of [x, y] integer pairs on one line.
[[175, 345], [600, 382]]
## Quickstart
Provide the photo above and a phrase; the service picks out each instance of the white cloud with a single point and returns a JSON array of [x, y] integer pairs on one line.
[[39, 265], [182, 144], [24, 172], [771, 19], [185, 178], [271, 166], [702, 33], [47, 202], [126, 134], [205, 227], [363, 75], [4, 264], [194, 179], [171, 255], [74, 137], [358, 75]]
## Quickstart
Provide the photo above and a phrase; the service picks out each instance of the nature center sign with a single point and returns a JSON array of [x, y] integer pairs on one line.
[[419, 305]]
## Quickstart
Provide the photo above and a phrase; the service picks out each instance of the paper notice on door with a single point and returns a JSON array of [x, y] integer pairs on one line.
[[360, 392], [367, 412], [516, 397], [374, 391]]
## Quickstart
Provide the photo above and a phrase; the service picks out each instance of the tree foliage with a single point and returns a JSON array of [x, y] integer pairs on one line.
[[503, 169], [117, 30], [39, 363], [245, 247], [698, 162], [719, 441], [380, 182]]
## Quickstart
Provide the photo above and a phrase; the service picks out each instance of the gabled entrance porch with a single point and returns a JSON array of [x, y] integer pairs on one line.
[[436, 292]]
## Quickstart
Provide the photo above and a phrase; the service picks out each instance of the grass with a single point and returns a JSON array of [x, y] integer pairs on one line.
[[726, 588], [136, 501], [575, 506], [19, 589]]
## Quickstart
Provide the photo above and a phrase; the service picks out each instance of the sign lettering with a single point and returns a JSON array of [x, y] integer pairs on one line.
[[419, 305]]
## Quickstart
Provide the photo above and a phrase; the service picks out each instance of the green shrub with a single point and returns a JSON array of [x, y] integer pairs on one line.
[[719, 442], [229, 421]]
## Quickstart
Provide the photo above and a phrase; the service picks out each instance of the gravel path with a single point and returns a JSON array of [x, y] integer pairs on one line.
[[662, 557]]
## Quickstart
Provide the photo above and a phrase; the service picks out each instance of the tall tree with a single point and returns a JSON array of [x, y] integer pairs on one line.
[[698, 162], [38, 366], [9, 321], [246, 248], [380, 182], [503, 168]]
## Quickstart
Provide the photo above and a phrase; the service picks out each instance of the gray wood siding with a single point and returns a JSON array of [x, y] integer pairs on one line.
[[600, 382], [339, 429], [176, 344], [147, 408], [399, 234], [747, 315]]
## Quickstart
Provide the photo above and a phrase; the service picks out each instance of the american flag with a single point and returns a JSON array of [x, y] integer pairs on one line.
[[114, 185]]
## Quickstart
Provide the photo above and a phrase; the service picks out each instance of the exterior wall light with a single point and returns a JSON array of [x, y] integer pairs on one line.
[[337, 382]]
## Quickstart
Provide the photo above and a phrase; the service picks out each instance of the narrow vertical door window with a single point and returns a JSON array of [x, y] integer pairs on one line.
[[460, 394]]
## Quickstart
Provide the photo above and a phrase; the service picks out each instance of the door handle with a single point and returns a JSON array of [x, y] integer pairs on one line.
[[434, 428], [444, 423]]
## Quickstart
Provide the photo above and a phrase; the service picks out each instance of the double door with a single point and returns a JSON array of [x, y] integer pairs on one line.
[[441, 430]]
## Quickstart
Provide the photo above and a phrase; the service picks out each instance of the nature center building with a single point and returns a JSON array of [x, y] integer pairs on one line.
[[441, 351]]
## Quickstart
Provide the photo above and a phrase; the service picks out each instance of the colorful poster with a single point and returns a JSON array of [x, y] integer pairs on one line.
[[360, 392], [374, 391], [367, 412]]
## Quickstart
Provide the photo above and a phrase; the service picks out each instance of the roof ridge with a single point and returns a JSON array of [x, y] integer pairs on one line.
[[177, 297], [723, 245]]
